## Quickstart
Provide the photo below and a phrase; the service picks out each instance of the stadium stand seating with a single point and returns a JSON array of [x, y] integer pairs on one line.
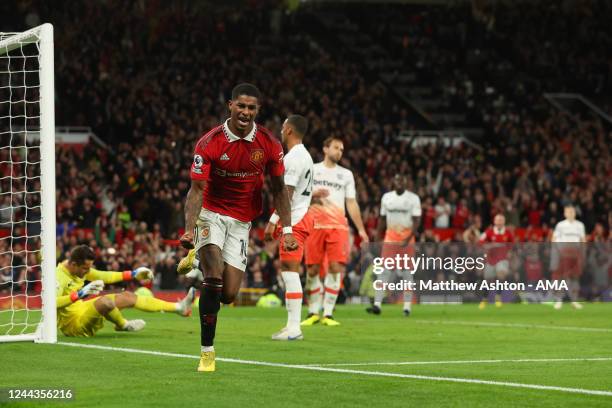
[[150, 77]]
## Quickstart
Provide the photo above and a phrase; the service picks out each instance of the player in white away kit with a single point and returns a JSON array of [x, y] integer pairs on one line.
[[400, 215], [568, 250], [298, 180], [334, 187]]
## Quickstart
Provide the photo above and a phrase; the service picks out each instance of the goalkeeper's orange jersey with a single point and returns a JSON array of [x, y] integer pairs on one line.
[[68, 283]]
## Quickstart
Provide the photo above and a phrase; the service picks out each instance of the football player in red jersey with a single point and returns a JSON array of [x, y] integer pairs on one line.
[[227, 177], [498, 241]]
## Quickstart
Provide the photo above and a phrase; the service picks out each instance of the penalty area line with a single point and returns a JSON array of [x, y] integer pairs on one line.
[[350, 371]]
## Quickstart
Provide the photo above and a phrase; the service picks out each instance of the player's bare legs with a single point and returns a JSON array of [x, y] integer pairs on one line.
[[315, 294], [332, 288], [232, 279]]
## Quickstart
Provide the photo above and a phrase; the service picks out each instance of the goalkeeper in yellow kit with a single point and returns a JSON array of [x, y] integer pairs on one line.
[[79, 317]]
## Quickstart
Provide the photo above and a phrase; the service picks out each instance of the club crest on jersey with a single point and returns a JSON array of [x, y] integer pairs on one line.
[[257, 155], [205, 231]]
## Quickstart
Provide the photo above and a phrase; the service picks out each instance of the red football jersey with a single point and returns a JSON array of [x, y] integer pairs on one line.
[[499, 252], [234, 169]]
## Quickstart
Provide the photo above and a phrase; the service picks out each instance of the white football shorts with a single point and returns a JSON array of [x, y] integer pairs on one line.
[[229, 234]]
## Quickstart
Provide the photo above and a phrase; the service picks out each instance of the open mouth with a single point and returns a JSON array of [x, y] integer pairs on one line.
[[243, 122]]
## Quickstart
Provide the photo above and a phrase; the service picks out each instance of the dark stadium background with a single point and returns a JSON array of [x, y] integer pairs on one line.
[[516, 97]]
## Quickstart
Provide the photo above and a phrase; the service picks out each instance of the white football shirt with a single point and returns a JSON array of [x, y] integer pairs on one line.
[[567, 231], [338, 180], [400, 208], [340, 184], [299, 174]]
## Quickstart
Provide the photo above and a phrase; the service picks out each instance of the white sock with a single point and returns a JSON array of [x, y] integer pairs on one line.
[[315, 296], [379, 295], [293, 299], [407, 300], [332, 288], [206, 349]]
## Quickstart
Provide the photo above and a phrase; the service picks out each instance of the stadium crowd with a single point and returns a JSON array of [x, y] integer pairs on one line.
[[150, 77]]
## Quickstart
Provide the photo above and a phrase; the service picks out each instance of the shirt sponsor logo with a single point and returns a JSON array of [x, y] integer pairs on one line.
[[241, 174], [325, 183], [257, 155]]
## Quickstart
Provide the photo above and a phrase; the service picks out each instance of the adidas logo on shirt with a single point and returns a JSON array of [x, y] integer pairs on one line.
[[224, 157]]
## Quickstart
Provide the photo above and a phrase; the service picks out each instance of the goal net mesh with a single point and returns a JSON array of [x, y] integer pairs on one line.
[[20, 187]]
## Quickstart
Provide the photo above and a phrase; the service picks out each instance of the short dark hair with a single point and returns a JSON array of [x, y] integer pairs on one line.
[[245, 89], [327, 142], [299, 124], [82, 253]]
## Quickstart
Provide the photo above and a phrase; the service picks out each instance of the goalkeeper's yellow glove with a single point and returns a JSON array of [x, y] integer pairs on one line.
[[92, 288], [140, 273]]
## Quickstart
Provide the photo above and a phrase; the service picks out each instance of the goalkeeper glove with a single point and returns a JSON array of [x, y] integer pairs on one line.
[[92, 288], [142, 273]]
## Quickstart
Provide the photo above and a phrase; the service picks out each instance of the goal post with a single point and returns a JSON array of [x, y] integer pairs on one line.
[[27, 186]]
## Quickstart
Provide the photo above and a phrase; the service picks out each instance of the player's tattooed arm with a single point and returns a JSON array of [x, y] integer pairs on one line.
[[193, 206], [271, 227], [283, 208]]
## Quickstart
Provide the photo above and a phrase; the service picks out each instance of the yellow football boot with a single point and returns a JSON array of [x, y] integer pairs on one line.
[[310, 320], [186, 264], [207, 361], [329, 321]]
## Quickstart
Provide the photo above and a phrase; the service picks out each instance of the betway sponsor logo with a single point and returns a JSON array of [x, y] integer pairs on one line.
[[240, 174], [325, 183]]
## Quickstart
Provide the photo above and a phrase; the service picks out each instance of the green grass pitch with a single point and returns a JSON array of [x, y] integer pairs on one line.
[[434, 337]]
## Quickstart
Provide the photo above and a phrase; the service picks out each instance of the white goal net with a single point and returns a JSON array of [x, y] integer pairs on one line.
[[27, 186]]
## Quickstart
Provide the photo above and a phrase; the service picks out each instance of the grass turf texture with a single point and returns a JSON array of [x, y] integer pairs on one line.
[[433, 333]]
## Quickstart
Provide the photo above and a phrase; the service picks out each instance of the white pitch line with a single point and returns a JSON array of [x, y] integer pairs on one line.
[[347, 371], [520, 360], [515, 325]]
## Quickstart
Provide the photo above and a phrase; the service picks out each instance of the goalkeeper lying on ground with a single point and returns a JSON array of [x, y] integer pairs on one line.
[[78, 317]]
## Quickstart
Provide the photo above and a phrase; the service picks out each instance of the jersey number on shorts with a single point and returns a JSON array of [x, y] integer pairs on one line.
[[243, 250], [308, 189]]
